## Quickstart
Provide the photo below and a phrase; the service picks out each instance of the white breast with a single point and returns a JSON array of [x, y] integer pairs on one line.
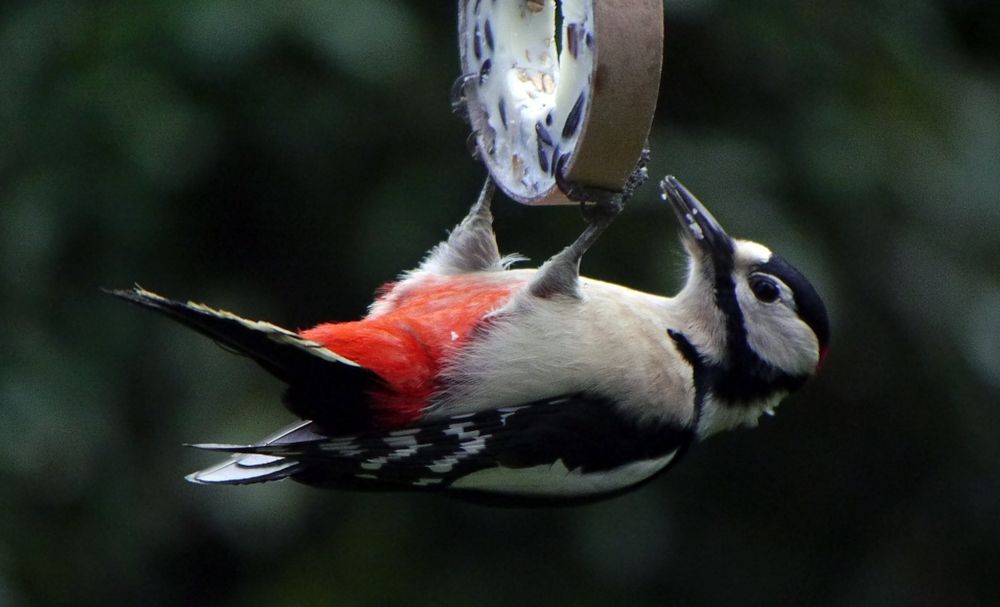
[[611, 342]]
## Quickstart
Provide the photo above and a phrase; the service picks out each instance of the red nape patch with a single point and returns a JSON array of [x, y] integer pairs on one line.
[[408, 345]]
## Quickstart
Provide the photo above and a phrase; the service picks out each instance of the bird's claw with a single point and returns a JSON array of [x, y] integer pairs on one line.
[[603, 211]]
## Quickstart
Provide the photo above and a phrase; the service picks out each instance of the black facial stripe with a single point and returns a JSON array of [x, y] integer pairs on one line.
[[739, 358], [724, 293], [742, 379], [808, 303], [751, 381], [699, 370]]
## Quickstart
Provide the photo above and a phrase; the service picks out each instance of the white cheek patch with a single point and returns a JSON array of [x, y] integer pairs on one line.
[[777, 334]]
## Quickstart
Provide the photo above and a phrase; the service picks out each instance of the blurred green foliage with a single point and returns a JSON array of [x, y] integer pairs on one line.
[[285, 159]]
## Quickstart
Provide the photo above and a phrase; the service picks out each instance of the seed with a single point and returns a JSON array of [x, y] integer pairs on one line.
[[477, 46], [543, 159], [542, 134], [535, 6], [503, 112], [548, 83], [572, 40], [573, 118], [536, 81], [489, 34], [560, 166]]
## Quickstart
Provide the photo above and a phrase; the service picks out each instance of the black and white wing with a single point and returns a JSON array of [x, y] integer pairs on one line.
[[576, 447]]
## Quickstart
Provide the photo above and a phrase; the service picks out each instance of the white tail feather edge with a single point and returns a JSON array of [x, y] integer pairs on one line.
[[256, 468]]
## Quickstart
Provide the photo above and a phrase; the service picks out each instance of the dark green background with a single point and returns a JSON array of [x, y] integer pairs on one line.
[[282, 160]]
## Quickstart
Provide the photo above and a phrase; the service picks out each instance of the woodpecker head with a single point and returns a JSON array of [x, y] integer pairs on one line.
[[759, 327]]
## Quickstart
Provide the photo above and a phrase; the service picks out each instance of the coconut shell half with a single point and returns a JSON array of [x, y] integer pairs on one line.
[[580, 110]]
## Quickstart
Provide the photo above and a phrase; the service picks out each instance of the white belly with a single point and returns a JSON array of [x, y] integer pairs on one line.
[[555, 480]]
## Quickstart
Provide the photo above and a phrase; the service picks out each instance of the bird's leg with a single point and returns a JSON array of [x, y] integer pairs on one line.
[[471, 246], [560, 275], [478, 223]]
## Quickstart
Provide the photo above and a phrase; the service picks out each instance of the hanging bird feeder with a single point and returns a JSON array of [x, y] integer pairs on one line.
[[551, 116]]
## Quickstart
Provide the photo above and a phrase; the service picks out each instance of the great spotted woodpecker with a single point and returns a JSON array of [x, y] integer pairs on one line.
[[526, 385]]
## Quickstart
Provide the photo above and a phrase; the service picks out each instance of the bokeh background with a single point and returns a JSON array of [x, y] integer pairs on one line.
[[283, 160]]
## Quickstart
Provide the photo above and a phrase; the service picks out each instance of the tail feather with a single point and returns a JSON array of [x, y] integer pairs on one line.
[[279, 350], [243, 469], [234, 472], [323, 385]]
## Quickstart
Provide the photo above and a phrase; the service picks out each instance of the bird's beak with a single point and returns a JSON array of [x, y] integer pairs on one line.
[[698, 226]]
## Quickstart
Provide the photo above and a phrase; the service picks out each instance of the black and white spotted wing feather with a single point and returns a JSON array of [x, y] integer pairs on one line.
[[572, 447]]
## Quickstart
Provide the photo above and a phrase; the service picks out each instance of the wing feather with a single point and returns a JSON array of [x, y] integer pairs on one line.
[[567, 447]]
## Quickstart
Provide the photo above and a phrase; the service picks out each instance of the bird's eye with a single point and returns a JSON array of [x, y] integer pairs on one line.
[[764, 289]]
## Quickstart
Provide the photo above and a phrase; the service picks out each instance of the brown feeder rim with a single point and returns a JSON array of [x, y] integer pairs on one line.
[[624, 86]]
